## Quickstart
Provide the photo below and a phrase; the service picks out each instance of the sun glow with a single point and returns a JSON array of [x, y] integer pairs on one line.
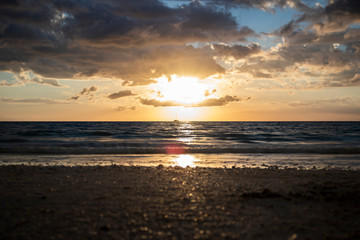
[[181, 89], [185, 160]]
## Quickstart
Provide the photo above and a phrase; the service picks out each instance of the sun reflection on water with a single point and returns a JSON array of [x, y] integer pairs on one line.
[[185, 136], [185, 132], [185, 160]]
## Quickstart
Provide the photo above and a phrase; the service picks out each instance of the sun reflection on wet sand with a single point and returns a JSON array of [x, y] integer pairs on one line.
[[185, 160]]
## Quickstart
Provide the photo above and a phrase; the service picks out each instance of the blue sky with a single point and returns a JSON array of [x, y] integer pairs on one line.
[[264, 21]]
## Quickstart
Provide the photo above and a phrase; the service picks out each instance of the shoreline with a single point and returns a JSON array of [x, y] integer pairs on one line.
[[132, 202], [304, 161]]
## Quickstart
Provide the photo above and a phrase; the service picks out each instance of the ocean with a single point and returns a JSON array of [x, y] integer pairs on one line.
[[301, 145]]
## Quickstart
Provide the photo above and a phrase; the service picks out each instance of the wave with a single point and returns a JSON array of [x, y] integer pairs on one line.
[[192, 137], [138, 149]]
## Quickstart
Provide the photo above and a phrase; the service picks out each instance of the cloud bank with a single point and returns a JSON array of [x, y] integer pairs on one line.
[[134, 41]]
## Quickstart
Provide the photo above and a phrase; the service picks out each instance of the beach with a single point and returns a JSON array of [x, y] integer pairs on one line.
[[132, 202]]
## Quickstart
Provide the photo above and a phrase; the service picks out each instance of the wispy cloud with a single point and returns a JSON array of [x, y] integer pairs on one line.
[[120, 94], [32, 101], [123, 108], [328, 101], [86, 91]]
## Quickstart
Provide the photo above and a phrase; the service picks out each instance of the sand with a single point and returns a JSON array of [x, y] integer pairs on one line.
[[118, 202]]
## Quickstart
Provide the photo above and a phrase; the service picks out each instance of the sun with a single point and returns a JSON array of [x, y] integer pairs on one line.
[[181, 89]]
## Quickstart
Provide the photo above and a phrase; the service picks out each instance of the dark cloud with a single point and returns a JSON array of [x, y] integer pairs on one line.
[[216, 102], [320, 44], [30, 33], [343, 78], [338, 14], [85, 91], [74, 98], [324, 63], [267, 5], [328, 58], [149, 22], [209, 102], [8, 55], [158, 103], [209, 24], [117, 39], [258, 66], [236, 51], [120, 94]]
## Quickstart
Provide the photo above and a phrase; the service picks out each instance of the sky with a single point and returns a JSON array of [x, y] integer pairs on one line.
[[160, 60]]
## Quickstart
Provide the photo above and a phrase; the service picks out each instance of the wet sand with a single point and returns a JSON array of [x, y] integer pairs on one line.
[[119, 202]]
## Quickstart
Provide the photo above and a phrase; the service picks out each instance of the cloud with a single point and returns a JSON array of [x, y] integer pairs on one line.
[[329, 101], [85, 91], [120, 94], [74, 98], [338, 105], [138, 41], [267, 5], [4, 83], [326, 49], [24, 77], [122, 108], [51, 82], [324, 24], [147, 22], [216, 102], [207, 93], [336, 16], [113, 39], [236, 51], [209, 102], [32, 100], [308, 59], [158, 103]]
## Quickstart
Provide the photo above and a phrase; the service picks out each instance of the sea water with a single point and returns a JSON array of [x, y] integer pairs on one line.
[[205, 144]]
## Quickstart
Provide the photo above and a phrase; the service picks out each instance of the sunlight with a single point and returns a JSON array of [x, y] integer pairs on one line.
[[181, 89], [184, 113], [185, 161]]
